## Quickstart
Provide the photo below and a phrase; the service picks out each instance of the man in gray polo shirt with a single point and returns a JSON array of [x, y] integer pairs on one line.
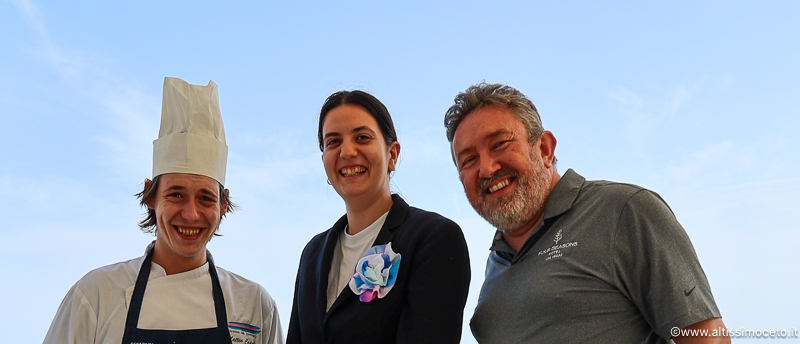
[[573, 261]]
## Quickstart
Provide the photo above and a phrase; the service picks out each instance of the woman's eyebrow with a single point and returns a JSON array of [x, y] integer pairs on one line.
[[355, 130], [331, 134], [363, 128]]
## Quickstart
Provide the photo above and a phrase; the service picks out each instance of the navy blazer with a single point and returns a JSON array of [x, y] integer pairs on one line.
[[426, 304]]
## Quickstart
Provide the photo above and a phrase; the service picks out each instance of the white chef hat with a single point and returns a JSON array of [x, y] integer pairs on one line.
[[192, 137]]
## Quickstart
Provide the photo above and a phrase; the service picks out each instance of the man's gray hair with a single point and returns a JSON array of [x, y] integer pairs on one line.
[[483, 94]]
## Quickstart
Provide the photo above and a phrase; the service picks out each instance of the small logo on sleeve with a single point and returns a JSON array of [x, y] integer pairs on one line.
[[242, 333], [689, 292], [244, 327]]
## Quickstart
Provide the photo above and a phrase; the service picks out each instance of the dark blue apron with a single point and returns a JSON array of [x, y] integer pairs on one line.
[[216, 335]]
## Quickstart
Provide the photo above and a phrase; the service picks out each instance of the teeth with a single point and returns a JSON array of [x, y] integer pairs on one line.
[[349, 172], [499, 186], [188, 232]]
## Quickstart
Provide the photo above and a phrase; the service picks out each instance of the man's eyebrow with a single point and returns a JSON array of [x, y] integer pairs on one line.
[[458, 154], [204, 191], [174, 188], [497, 133], [489, 137], [208, 192]]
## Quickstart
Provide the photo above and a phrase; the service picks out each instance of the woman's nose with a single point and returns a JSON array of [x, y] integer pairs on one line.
[[348, 150]]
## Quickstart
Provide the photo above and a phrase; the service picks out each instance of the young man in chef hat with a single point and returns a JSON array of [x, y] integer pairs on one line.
[[174, 293]]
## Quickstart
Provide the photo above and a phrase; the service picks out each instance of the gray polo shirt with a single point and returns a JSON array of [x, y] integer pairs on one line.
[[608, 264]]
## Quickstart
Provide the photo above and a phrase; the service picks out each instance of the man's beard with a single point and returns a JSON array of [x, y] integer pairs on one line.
[[515, 210]]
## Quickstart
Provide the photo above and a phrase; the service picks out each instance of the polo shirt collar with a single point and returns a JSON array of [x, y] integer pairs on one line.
[[560, 200], [564, 194]]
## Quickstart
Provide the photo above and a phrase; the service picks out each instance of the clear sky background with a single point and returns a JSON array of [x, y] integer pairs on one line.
[[696, 100]]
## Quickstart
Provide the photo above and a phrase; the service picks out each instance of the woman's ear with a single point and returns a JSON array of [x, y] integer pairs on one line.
[[394, 154]]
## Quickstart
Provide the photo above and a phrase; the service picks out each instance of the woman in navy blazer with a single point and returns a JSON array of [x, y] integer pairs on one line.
[[412, 285]]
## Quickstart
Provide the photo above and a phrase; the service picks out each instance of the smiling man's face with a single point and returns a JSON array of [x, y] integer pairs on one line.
[[503, 174], [188, 211]]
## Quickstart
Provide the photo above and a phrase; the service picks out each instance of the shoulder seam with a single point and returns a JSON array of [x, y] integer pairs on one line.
[[612, 257]]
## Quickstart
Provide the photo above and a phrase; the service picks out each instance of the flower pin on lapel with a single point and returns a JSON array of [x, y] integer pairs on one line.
[[375, 273]]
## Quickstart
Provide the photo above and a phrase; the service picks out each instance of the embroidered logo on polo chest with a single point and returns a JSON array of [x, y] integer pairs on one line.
[[557, 250]]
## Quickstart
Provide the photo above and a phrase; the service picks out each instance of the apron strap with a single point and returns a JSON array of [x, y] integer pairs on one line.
[[138, 291], [216, 290], [141, 283]]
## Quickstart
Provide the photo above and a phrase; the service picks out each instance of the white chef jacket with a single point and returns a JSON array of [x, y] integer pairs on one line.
[[95, 308]]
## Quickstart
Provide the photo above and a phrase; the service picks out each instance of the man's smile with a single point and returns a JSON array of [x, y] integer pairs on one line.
[[189, 231], [498, 186], [499, 182]]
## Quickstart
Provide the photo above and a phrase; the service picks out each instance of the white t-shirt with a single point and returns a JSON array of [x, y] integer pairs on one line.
[[95, 309], [349, 249]]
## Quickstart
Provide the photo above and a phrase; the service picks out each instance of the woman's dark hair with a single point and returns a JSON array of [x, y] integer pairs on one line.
[[366, 101]]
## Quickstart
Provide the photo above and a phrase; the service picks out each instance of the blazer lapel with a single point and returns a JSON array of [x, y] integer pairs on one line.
[[324, 266], [395, 218]]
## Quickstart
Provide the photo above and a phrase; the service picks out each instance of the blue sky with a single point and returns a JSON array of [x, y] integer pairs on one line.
[[695, 100]]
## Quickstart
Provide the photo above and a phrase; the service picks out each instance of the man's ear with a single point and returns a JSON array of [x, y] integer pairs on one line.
[[148, 200], [547, 147], [223, 209]]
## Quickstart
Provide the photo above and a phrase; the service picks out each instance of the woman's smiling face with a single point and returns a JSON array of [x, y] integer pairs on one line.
[[356, 158]]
